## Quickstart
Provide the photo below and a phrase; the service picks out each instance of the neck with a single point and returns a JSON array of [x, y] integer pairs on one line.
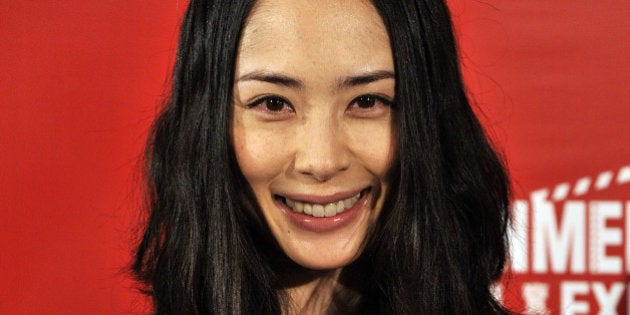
[[321, 291], [314, 296]]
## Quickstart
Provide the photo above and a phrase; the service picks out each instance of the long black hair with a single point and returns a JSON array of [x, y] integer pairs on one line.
[[440, 241]]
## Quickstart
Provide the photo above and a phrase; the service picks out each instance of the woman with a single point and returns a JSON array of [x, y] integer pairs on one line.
[[321, 157]]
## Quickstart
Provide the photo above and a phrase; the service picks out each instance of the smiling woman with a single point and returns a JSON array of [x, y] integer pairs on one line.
[[321, 157], [312, 130]]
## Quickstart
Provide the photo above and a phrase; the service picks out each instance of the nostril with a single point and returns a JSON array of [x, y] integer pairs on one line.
[[322, 152], [321, 168]]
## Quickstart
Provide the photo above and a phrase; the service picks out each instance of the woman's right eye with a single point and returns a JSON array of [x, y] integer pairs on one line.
[[272, 105]]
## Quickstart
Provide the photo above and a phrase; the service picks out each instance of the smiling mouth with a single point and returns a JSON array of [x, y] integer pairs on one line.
[[322, 210]]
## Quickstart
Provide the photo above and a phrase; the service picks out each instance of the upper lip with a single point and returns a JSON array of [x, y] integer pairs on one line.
[[308, 198]]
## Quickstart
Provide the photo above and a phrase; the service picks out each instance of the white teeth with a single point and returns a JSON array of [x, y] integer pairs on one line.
[[330, 209], [327, 210], [347, 203], [340, 207], [318, 211], [299, 207]]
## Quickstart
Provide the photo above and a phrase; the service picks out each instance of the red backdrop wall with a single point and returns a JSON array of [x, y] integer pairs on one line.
[[82, 80]]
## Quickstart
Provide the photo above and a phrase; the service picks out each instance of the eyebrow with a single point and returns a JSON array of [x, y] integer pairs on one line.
[[344, 83], [272, 77], [365, 78]]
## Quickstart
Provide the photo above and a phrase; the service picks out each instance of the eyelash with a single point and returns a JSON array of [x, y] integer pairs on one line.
[[374, 99], [286, 105], [271, 98]]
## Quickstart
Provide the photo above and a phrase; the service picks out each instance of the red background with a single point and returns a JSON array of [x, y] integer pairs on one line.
[[82, 80]]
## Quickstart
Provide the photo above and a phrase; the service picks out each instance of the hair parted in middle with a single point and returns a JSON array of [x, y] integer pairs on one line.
[[440, 241]]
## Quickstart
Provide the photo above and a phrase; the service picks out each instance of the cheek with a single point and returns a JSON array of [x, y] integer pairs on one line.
[[260, 153], [374, 145]]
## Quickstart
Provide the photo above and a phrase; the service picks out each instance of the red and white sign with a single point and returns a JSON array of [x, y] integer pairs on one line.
[[550, 81], [570, 250]]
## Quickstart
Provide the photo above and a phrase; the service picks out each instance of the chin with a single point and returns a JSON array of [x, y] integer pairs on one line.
[[324, 262]]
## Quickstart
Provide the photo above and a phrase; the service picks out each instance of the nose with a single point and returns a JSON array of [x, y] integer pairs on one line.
[[322, 150]]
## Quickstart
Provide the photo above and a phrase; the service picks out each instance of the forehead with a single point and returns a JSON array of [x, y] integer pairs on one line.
[[320, 33]]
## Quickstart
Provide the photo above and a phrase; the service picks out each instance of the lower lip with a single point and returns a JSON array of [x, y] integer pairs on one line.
[[323, 224]]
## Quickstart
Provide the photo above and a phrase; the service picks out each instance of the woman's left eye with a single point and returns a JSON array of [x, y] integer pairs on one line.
[[369, 104], [365, 101]]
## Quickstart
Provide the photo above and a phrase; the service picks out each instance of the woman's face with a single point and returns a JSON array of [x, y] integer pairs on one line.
[[312, 124]]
